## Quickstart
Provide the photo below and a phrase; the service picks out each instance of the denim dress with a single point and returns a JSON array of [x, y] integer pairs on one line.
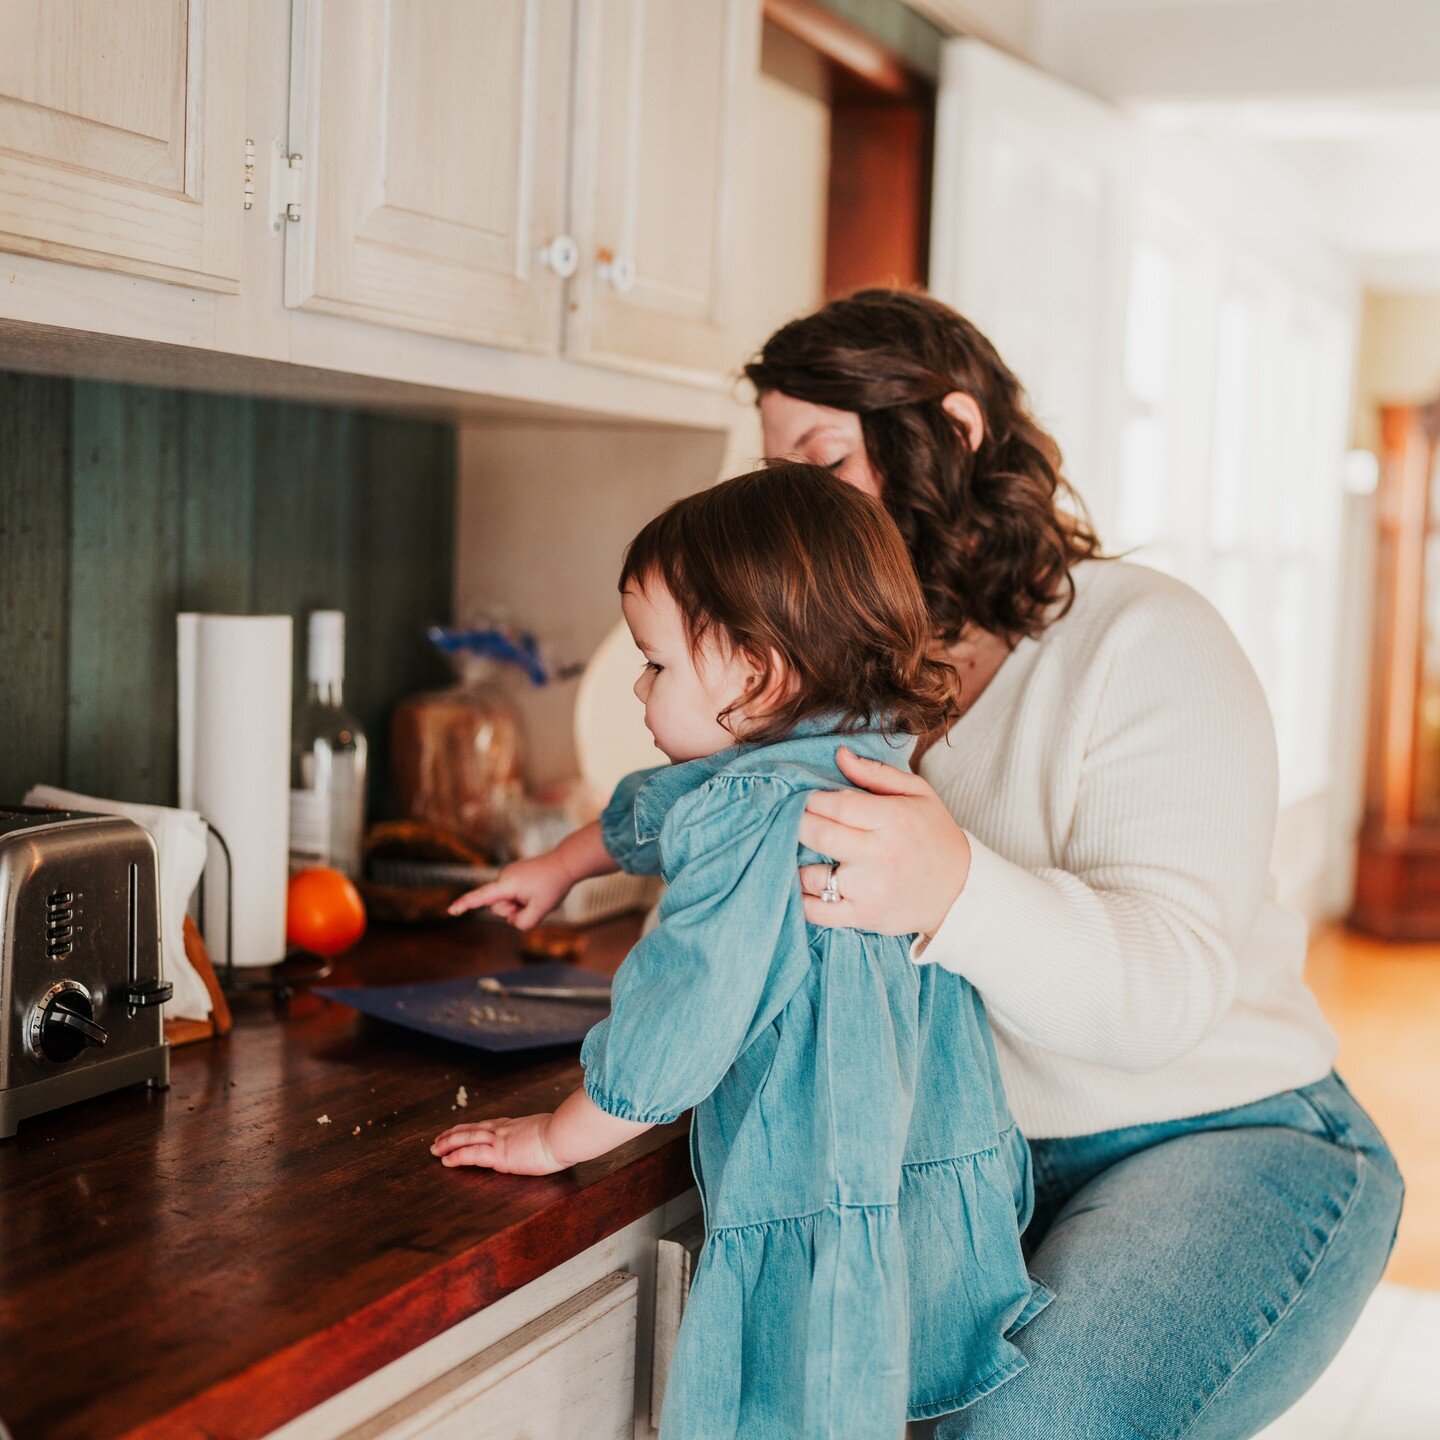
[[863, 1184]]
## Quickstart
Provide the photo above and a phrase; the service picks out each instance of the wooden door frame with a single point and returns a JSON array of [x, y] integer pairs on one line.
[[877, 227]]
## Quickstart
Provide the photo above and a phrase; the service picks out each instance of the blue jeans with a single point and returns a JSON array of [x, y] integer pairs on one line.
[[1205, 1271]]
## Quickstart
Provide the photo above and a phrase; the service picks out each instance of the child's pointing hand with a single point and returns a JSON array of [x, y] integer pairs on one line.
[[523, 893]]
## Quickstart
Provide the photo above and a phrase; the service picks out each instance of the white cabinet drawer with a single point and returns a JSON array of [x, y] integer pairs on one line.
[[568, 1372]]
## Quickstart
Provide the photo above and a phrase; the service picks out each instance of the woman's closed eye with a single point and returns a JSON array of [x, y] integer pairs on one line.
[[836, 464]]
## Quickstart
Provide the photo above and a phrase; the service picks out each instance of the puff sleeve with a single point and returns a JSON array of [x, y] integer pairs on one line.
[[728, 952], [617, 827]]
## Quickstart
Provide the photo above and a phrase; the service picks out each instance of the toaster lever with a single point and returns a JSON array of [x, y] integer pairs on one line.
[[148, 992]]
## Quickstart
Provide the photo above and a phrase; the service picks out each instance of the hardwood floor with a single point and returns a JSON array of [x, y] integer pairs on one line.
[[1384, 1000]]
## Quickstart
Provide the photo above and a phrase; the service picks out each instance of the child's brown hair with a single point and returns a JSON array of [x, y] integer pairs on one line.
[[793, 559]]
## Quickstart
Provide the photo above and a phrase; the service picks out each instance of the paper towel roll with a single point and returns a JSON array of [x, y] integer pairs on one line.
[[234, 757]]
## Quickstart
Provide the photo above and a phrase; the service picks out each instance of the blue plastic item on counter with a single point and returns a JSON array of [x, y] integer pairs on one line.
[[459, 1010]]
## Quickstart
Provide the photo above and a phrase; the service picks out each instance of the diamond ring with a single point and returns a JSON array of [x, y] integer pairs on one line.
[[831, 893]]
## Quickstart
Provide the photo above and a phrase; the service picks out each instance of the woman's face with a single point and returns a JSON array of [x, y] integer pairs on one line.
[[800, 430]]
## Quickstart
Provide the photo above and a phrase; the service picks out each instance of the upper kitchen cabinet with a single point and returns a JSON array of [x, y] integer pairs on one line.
[[429, 144], [122, 140], [440, 172], [662, 90]]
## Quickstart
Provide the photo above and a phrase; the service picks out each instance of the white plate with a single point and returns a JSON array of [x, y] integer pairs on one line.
[[610, 735]]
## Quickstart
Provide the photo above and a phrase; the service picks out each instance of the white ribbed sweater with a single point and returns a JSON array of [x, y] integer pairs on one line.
[[1117, 781]]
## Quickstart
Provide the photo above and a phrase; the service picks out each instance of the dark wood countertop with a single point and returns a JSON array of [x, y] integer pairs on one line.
[[210, 1261]]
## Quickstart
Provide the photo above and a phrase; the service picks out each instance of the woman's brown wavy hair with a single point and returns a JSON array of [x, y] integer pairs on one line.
[[792, 561], [990, 544]]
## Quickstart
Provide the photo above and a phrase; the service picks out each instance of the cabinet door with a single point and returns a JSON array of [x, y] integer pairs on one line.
[[569, 1372], [432, 137], [1030, 240], [662, 91], [122, 142]]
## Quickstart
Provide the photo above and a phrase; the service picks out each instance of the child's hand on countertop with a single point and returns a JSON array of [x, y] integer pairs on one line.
[[513, 1147]]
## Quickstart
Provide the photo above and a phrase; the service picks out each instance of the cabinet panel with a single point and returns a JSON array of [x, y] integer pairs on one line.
[[121, 135], [569, 1372], [1030, 240], [433, 141], [662, 91]]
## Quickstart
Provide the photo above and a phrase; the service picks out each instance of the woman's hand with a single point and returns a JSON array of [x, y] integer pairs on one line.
[[523, 893], [903, 859], [514, 1147]]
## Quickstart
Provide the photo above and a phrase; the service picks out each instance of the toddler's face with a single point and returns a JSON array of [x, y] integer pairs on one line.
[[682, 693]]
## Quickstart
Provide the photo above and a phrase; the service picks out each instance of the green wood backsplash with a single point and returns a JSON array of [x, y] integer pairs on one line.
[[121, 505]]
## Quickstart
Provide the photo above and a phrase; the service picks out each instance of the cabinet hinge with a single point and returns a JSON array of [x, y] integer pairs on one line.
[[287, 180], [249, 175]]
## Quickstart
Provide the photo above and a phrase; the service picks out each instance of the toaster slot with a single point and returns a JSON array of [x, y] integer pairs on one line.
[[132, 930]]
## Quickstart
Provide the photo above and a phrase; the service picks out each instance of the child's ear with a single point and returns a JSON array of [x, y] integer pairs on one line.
[[781, 679], [764, 701]]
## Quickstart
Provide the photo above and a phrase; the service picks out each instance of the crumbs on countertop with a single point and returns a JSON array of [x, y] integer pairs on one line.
[[322, 1119]]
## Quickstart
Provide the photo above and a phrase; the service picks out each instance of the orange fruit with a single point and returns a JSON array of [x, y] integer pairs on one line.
[[323, 911]]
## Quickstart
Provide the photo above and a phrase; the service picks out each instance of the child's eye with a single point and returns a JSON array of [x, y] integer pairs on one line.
[[651, 665]]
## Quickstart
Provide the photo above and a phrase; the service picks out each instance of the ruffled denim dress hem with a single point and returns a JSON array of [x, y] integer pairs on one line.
[[863, 1185]]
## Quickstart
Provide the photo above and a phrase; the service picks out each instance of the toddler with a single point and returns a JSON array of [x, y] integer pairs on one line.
[[862, 1182]]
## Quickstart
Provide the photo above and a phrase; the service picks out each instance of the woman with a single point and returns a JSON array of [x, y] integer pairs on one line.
[[1089, 846]]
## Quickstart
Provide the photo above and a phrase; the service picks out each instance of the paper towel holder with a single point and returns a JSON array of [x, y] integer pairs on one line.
[[281, 977]]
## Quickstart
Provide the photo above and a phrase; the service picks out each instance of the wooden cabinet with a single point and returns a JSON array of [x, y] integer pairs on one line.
[[569, 1372], [122, 135], [1397, 877], [570, 1354], [419, 190], [661, 96], [446, 189], [432, 138]]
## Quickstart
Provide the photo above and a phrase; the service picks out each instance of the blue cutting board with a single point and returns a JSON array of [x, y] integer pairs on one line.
[[459, 1010]]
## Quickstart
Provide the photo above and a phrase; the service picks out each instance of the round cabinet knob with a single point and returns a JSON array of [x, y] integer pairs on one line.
[[63, 1024], [561, 255], [618, 272]]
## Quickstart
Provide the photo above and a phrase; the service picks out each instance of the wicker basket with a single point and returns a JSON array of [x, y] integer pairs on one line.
[[601, 896]]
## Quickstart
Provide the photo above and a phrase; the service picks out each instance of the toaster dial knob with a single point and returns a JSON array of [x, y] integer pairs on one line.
[[63, 1024]]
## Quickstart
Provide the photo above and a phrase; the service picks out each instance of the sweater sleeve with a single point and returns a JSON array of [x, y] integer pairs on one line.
[[1124, 954]]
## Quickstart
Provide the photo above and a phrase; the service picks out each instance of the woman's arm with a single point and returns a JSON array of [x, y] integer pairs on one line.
[[1124, 954]]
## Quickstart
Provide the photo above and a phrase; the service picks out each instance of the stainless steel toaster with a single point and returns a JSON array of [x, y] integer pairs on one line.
[[80, 982]]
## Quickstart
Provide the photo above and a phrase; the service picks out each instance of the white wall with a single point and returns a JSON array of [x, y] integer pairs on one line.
[[1185, 327], [544, 515], [1241, 49]]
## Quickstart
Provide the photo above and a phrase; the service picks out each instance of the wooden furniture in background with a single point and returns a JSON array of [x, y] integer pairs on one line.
[[219, 1021], [882, 113], [1397, 882]]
